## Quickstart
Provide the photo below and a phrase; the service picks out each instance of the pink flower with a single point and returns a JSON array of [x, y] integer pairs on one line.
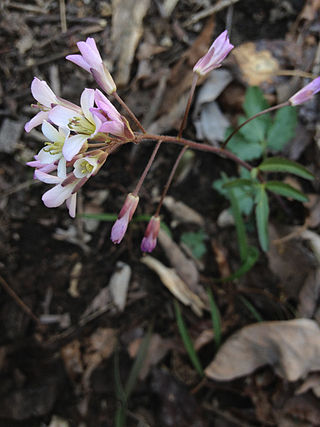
[[91, 61], [215, 55], [46, 100], [83, 123], [120, 226], [149, 241], [306, 92], [111, 119]]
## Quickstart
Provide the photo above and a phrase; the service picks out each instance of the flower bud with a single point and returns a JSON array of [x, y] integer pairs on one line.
[[215, 55], [306, 92], [120, 226], [150, 238]]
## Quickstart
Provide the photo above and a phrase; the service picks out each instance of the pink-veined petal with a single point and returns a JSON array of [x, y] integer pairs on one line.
[[78, 60], [92, 43], [36, 120], [42, 93], [91, 56], [47, 178], [103, 102], [73, 145], [114, 127]]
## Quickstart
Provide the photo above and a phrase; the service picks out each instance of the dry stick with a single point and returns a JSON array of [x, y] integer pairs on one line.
[[148, 166], [267, 110], [131, 114], [19, 301], [63, 18]]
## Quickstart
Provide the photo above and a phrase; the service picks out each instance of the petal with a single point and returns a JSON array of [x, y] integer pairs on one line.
[[105, 105], [71, 203], [61, 116], [92, 43], [47, 178], [73, 145], [46, 158], [86, 102], [57, 195], [62, 168], [42, 93], [36, 120], [91, 56], [114, 127], [50, 132], [78, 60]]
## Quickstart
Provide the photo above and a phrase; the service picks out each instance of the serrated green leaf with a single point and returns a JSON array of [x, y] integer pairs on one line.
[[252, 257], [262, 216], [245, 149], [195, 242], [255, 131], [279, 164], [254, 101], [286, 190], [243, 195], [282, 129]]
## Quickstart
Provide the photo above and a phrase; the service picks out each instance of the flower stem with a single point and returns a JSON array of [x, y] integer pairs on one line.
[[267, 110], [168, 183], [186, 113], [146, 169], [128, 110]]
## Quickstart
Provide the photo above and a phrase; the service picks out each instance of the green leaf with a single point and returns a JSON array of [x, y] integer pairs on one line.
[[195, 241], [245, 149], [262, 216], [255, 131], [251, 308], [240, 227], [216, 318], [286, 190], [243, 195], [283, 128], [252, 257], [239, 182], [254, 101], [279, 164], [187, 340]]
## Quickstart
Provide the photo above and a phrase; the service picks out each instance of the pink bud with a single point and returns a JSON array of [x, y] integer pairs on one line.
[[120, 226], [150, 237], [306, 92], [215, 55]]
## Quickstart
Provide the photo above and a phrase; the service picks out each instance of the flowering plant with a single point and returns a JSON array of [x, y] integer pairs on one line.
[[80, 139]]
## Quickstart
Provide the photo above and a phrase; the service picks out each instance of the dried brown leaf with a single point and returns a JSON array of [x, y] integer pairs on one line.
[[176, 286], [309, 294], [292, 347]]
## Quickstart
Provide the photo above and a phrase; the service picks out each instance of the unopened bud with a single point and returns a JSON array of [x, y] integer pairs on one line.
[[149, 241], [306, 92], [120, 226]]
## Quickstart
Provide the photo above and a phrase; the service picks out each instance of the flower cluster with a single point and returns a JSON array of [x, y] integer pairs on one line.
[[80, 138]]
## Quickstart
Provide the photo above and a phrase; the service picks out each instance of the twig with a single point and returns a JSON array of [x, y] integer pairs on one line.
[[63, 18], [128, 110], [19, 301], [210, 11]]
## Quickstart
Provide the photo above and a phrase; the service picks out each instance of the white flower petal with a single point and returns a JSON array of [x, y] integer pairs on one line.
[[61, 116], [57, 195], [36, 120], [72, 204], [50, 132], [47, 158], [47, 178], [86, 102], [62, 168], [42, 93], [73, 145]]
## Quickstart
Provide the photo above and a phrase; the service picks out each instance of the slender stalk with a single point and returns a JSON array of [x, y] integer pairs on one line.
[[146, 170], [196, 146], [267, 110], [168, 183], [184, 149], [186, 113], [128, 110]]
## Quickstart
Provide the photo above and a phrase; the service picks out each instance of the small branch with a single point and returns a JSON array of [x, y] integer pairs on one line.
[[19, 301], [131, 114], [146, 170], [267, 110], [168, 183], [196, 146]]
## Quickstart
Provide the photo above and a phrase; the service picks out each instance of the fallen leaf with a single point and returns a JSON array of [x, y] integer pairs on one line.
[[127, 30], [256, 66], [119, 284], [311, 383], [292, 347], [185, 267], [176, 286], [74, 280], [58, 422], [182, 213], [212, 124], [309, 294]]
